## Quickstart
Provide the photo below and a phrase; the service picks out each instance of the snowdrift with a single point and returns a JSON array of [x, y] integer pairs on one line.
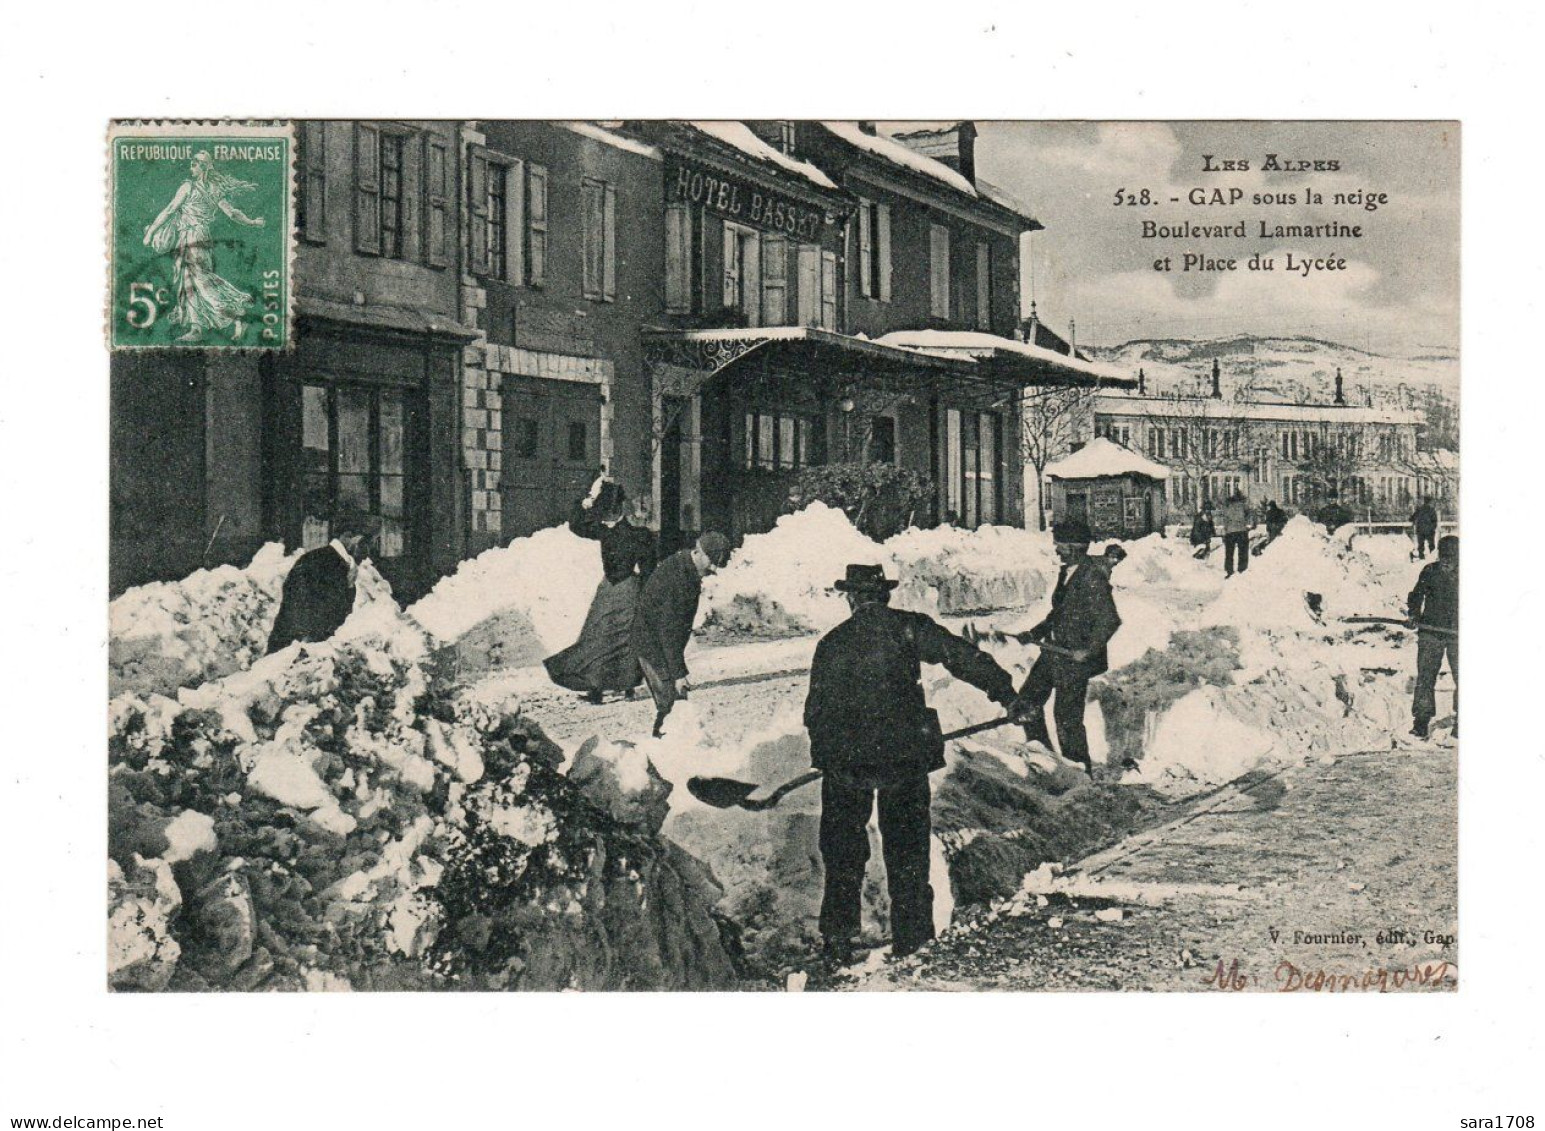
[[332, 819], [171, 634], [779, 583], [514, 605]]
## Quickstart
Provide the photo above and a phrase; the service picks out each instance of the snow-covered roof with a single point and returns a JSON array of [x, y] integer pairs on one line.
[[740, 136], [1002, 197], [898, 154], [596, 132], [1100, 457], [802, 334], [976, 343], [1117, 404]]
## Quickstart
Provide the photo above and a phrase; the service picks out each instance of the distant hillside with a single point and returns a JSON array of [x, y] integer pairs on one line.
[[1285, 369]]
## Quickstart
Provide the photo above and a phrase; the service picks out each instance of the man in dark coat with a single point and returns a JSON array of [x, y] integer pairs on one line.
[[1433, 607], [319, 589], [1425, 522], [1082, 620], [871, 732], [667, 606], [1334, 514]]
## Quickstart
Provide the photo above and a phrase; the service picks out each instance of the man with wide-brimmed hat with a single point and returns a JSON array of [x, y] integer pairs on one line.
[[1082, 620], [872, 733]]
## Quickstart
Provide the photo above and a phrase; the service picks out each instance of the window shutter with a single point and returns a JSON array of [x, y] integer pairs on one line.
[[609, 248], [536, 232], [367, 188], [593, 221], [412, 195], [477, 208], [437, 179], [678, 259], [775, 280], [731, 260], [939, 271], [313, 188], [866, 282], [883, 215], [829, 290], [809, 284], [515, 222], [983, 286]]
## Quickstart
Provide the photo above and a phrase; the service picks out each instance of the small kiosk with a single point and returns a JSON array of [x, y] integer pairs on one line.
[[1119, 493]]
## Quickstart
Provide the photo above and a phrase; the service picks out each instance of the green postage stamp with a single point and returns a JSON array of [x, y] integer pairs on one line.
[[200, 234]]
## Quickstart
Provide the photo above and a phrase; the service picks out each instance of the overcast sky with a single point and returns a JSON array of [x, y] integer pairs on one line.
[[1399, 293]]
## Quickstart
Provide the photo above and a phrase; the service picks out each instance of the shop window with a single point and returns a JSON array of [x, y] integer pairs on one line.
[[882, 439], [938, 271], [983, 286], [874, 250], [353, 457], [599, 201]]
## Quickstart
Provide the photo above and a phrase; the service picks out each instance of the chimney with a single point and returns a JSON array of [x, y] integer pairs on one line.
[[954, 146], [1217, 384], [1340, 392], [1142, 384], [868, 128], [1072, 337]]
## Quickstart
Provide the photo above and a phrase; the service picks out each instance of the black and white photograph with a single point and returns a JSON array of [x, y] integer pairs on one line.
[[722, 606]]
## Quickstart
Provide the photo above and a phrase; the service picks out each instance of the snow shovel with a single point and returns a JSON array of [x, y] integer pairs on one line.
[[727, 793], [1398, 621]]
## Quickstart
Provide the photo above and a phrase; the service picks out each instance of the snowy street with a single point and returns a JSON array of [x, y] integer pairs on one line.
[[1328, 855]]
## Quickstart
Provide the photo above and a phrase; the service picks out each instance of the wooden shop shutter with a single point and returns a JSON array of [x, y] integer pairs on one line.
[[883, 235], [866, 282], [678, 259], [412, 197], [829, 290], [437, 180], [313, 187], [536, 228], [477, 209], [775, 280]]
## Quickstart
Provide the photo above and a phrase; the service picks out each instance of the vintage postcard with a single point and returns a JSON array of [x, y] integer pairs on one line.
[[784, 555]]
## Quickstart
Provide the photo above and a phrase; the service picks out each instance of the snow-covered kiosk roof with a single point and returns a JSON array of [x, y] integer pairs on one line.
[[1101, 458]]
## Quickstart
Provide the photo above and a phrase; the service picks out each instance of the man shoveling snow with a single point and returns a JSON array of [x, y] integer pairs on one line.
[[667, 606], [319, 591], [1433, 607]]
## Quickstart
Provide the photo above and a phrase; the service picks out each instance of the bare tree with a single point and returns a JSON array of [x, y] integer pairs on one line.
[[1052, 419], [1202, 438]]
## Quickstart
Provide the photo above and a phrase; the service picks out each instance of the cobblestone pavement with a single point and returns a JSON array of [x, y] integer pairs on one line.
[[1334, 876]]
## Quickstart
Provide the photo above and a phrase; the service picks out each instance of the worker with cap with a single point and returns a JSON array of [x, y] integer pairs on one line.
[[1080, 624], [667, 606], [1433, 608], [873, 735]]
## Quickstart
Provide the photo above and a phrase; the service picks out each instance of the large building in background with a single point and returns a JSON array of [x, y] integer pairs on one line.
[[489, 313]]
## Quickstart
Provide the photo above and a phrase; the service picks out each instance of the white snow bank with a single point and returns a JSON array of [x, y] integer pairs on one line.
[[171, 634], [515, 604]]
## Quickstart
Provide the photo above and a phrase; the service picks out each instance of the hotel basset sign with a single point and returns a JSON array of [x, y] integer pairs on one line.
[[741, 201]]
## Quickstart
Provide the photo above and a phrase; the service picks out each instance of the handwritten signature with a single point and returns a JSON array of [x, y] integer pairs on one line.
[[1289, 978]]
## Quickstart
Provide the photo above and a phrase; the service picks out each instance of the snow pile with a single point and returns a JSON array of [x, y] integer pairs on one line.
[[171, 634], [783, 577], [780, 583], [1165, 563], [333, 818], [516, 604], [1303, 559], [949, 571]]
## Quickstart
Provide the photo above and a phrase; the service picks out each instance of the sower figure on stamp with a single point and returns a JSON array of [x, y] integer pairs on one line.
[[602, 659], [1433, 607], [319, 589], [667, 606], [872, 733], [1082, 620]]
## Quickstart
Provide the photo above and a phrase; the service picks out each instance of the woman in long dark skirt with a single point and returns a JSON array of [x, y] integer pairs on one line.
[[602, 659]]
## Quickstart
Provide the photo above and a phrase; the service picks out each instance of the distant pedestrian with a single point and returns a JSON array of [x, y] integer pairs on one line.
[[602, 659], [1082, 620], [1424, 521], [667, 606], [319, 589], [1203, 529], [1234, 520], [872, 733], [1433, 607], [1276, 521], [1334, 515]]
